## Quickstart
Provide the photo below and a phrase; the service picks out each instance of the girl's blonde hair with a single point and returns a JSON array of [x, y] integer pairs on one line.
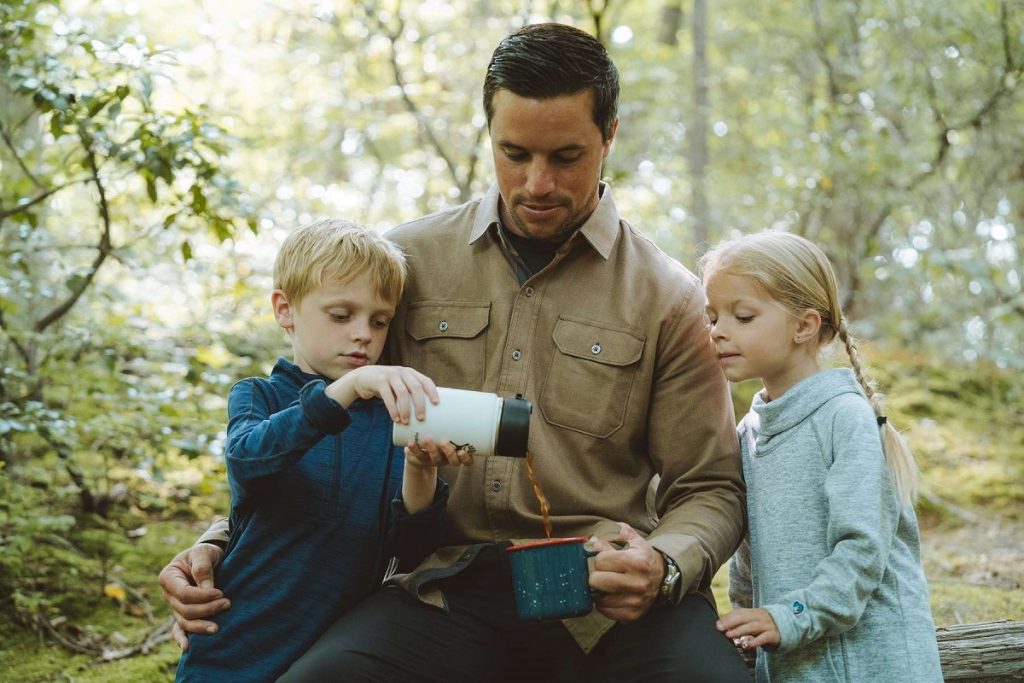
[[335, 250], [797, 274]]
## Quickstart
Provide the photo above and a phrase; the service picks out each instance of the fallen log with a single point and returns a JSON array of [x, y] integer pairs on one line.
[[989, 652]]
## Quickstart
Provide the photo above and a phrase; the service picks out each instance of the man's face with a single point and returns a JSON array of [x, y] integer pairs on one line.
[[547, 156]]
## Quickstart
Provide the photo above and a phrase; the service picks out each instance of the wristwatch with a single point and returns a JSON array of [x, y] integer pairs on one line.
[[668, 591]]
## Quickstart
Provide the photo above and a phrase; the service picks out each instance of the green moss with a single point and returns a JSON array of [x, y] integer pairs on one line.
[[956, 603]]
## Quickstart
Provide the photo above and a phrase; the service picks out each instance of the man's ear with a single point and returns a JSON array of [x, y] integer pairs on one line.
[[611, 137], [282, 309], [808, 326]]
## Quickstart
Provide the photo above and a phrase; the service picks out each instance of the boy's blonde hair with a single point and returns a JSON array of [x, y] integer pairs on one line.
[[797, 274], [336, 251]]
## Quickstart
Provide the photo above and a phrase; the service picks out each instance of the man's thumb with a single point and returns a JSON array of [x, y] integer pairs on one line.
[[202, 572]]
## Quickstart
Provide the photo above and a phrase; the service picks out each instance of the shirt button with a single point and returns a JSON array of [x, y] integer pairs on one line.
[[529, 291], [596, 348], [798, 607], [443, 326], [517, 354], [495, 485]]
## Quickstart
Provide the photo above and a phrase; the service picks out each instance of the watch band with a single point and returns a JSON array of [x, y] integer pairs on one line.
[[669, 588]]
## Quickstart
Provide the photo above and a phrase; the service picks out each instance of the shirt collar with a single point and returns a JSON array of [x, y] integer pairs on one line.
[[601, 229]]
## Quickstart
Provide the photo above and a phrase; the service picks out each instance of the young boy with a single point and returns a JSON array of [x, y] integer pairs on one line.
[[310, 463]]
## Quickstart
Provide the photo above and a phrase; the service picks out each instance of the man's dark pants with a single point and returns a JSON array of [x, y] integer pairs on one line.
[[391, 636]]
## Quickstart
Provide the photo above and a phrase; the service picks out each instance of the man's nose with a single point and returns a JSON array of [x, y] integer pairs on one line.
[[540, 178]]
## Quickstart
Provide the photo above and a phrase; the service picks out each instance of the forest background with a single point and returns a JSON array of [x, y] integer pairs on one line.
[[154, 154]]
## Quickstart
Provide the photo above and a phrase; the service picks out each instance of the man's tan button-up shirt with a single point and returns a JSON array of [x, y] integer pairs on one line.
[[608, 343]]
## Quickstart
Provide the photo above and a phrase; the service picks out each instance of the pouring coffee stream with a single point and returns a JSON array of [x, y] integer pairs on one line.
[[538, 492]]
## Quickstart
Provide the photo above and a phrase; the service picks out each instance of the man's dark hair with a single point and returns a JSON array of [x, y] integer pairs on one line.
[[542, 61]]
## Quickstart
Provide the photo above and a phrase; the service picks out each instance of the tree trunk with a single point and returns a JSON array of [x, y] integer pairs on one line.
[[671, 20], [982, 653], [698, 133]]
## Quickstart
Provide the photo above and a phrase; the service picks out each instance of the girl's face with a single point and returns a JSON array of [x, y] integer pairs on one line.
[[755, 336]]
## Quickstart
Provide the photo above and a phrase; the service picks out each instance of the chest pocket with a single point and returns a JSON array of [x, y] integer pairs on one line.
[[592, 371], [447, 341]]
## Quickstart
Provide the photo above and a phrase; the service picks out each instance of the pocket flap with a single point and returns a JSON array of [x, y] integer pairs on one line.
[[594, 342], [437, 319]]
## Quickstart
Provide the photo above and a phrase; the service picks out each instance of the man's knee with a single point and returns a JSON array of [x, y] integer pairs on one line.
[[326, 664]]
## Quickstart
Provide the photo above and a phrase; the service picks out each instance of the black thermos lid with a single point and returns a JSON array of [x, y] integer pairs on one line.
[[513, 427]]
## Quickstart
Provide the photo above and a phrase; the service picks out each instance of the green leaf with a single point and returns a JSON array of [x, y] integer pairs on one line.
[[186, 251], [75, 283], [151, 188], [198, 199]]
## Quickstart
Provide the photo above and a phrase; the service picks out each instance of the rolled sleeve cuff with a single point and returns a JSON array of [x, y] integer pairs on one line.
[[427, 515], [791, 620], [322, 411]]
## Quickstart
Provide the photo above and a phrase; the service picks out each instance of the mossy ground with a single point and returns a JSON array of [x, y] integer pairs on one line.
[[966, 424]]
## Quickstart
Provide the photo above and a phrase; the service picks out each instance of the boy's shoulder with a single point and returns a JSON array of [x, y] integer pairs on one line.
[[275, 392]]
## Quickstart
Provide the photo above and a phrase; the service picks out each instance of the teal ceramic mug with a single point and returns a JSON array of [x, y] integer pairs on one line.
[[551, 578]]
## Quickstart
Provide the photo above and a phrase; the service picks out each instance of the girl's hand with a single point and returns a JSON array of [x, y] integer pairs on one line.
[[429, 454], [749, 628], [395, 384]]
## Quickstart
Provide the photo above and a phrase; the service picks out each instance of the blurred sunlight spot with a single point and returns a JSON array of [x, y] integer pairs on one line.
[[997, 253], [677, 214], [720, 128], [974, 329], [907, 257], [645, 168], [622, 35], [974, 286]]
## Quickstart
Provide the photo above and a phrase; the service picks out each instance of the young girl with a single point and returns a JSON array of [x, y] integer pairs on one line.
[[828, 583]]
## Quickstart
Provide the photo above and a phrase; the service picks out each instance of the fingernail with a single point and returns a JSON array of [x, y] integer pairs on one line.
[[211, 630]]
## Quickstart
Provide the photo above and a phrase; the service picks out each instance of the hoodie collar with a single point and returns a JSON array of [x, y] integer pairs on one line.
[[801, 400]]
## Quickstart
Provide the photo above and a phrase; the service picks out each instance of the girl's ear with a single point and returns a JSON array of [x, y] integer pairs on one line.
[[808, 326], [282, 309]]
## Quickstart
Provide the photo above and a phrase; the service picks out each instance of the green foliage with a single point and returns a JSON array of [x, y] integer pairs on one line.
[[133, 292], [87, 131]]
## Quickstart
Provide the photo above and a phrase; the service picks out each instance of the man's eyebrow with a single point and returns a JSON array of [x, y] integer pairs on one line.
[[572, 147]]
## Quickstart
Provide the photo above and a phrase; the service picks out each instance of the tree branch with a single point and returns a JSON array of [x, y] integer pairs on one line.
[[17, 157], [103, 249], [7, 213], [22, 350], [413, 108]]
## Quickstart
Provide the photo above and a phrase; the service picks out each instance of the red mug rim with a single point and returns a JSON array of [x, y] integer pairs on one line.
[[547, 542]]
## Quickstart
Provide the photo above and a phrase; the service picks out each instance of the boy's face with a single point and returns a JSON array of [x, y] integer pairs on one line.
[[336, 327]]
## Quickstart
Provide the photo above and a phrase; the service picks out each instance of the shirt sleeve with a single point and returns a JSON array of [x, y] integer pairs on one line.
[[411, 537], [693, 444], [261, 442], [219, 533], [741, 591], [863, 513]]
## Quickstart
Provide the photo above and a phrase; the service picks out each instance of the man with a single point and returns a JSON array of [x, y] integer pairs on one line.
[[540, 289]]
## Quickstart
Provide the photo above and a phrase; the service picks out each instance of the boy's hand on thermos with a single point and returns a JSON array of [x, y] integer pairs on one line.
[[395, 384], [430, 454], [749, 628]]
